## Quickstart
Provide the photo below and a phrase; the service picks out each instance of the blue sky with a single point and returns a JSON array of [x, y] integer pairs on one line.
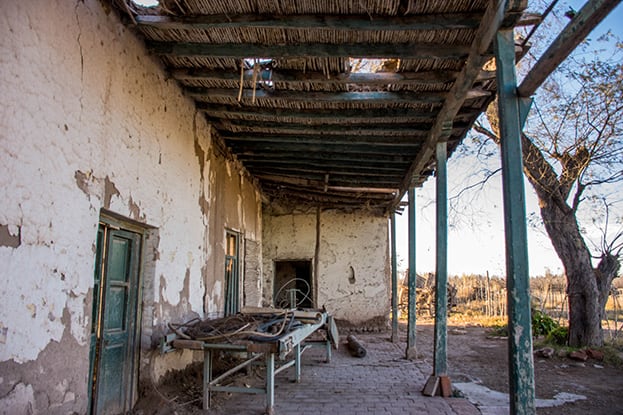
[[476, 237]]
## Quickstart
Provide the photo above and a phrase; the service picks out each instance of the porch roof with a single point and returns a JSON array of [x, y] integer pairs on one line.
[[278, 82]]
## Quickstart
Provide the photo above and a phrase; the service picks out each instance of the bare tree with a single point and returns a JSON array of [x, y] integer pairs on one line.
[[573, 152]]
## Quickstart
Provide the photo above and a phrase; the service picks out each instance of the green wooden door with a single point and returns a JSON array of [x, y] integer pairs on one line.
[[114, 320]]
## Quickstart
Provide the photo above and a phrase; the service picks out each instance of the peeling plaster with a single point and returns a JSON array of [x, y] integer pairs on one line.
[[41, 385], [351, 260], [129, 141], [90, 185], [10, 236]]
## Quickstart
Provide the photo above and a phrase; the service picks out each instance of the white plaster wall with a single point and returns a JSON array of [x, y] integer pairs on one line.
[[88, 121], [347, 240]]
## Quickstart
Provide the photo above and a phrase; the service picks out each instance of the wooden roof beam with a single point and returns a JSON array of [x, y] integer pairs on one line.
[[315, 50], [320, 164], [292, 76], [591, 14], [333, 171], [376, 98], [372, 187], [384, 132], [333, 179], [345, 138], [401, 160], [445, 21], [343, 116], [305, 149], [499, 13]]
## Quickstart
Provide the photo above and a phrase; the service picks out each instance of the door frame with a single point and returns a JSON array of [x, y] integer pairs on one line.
[[118, 222]]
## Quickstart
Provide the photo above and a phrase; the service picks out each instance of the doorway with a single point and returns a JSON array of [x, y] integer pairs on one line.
[[113, 365], [293, 279]]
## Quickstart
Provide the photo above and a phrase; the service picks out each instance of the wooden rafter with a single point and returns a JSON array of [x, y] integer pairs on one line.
[[498, 13], [343, 23], [316, 50], [324, 117]]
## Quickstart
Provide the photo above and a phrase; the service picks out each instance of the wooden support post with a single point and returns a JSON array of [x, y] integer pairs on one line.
[[441, 272], [521, 365], [439, 382], [395, 299], [411, 352]]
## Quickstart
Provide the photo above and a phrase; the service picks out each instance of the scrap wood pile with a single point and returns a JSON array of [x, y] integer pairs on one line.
[[261, 325]]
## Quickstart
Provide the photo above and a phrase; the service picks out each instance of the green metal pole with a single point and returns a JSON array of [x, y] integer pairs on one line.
[[521, 365], [441, 272], [411, 352], [394, 281]]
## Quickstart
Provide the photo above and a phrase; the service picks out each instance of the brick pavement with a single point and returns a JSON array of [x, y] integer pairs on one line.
[[382, 383]]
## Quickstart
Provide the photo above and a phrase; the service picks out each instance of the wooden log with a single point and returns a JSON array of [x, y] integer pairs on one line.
[[355, 347]]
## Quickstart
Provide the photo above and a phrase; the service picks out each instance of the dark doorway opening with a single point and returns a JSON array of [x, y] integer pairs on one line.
[[293, 282]]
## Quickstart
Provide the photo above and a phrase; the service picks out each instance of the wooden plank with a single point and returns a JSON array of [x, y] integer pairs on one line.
[[304, 149], [343, 117], [353, 165], [187, 344], [384, 132], [284, 154], [299, 77], [498, 13], [369, 98], [333, 172], [315, 50], [440, 21], [323, 115], [321, 184], [333, 178], [339, 195], [591, 14]]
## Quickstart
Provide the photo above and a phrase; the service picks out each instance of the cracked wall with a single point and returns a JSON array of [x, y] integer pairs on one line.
[[351, 258], [88, 121]]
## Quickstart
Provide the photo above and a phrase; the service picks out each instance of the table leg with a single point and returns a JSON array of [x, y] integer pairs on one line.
[[270, 383], [328, 346], [297, 362], [207, 377]]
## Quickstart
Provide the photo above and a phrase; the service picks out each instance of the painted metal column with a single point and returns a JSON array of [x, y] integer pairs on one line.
[[411, 352], [521, 365], [395, 299], [441, 271]]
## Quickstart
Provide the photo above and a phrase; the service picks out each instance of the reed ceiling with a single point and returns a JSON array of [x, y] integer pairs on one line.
[[281, 82]]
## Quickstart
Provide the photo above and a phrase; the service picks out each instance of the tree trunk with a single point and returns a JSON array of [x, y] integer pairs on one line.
[[587, 287], [585, 310], [607, 270], [582, 292]]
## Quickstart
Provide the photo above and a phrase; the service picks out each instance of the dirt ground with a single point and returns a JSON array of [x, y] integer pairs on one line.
[[473, 356]]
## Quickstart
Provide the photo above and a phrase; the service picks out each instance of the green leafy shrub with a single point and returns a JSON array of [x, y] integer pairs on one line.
[[542, 324], [558, 336]]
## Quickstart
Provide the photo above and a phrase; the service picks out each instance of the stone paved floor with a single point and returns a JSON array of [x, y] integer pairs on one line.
[[381, 383]]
